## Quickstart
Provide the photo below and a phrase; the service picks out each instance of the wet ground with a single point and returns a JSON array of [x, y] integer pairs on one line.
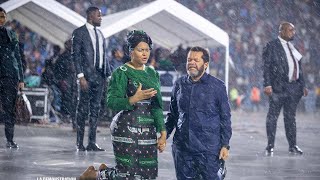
[[49, 151]]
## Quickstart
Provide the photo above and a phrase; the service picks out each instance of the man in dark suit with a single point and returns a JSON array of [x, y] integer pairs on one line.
[[11, 76], [65, 76], [284, 84], [92, 69]]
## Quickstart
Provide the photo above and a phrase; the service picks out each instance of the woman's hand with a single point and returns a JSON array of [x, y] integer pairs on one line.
[[142, 94], [162, 142]]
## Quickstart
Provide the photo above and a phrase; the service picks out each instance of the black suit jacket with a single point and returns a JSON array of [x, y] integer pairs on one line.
[[83, 54], [276, 68], [10, 60]]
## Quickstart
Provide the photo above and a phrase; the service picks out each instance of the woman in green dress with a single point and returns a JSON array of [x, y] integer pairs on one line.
[[134, 91]]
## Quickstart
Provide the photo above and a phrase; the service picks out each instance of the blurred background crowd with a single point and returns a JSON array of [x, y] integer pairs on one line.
[[249, 23]]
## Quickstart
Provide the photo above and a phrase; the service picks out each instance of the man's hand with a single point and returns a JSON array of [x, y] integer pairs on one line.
[[268, 90], [224, 153], [83, 83], [305, 92], [142, 94], [20, 86]]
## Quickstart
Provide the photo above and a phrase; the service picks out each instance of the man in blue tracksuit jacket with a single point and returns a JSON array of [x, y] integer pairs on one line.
[[200, 113]]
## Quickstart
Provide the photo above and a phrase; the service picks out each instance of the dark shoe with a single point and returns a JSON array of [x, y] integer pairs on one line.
[[94, 147], [81, 148], [269, 150], [295, 150], [12, 144]]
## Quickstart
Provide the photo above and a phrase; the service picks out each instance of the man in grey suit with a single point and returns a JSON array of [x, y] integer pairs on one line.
[[11, 76], [284, 84], [92, 69]]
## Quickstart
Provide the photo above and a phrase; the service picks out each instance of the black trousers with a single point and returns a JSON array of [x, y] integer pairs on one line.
[[88, 108], [68, 95], [68, 89], [8, 96], [289, 101]]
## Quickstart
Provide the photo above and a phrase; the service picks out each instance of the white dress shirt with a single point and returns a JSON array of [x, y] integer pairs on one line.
[[93, 40], [297, 57]]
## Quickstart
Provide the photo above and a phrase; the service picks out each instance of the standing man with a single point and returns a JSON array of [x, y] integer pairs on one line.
[[65, 75], [11, 76], [92, 69], [284, 84], [200, 113]]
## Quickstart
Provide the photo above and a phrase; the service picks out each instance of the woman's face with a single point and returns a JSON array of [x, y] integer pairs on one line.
[[140, 54]]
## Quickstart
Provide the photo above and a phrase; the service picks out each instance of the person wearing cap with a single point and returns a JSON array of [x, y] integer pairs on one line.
[[134, 92]]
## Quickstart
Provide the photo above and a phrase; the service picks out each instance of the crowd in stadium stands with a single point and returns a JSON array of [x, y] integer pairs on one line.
[[250, 25]]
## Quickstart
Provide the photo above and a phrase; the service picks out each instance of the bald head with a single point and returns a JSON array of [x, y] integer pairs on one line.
[[284, 25], [287, 31]]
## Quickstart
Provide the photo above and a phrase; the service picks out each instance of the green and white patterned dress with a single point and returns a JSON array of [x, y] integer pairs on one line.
[[134, 128]]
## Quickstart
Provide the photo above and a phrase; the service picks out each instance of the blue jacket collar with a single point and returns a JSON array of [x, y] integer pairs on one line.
[[203, 79]]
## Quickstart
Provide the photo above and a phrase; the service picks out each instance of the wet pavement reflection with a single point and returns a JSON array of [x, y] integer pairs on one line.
[[49, 151]]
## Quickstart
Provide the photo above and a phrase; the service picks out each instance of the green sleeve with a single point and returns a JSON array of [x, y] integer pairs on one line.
[[116, 97], [157, 114], [157, 110]]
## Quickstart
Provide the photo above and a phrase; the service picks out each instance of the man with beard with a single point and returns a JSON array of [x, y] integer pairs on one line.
[[92, 69], [200, 113], [284, 84]]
